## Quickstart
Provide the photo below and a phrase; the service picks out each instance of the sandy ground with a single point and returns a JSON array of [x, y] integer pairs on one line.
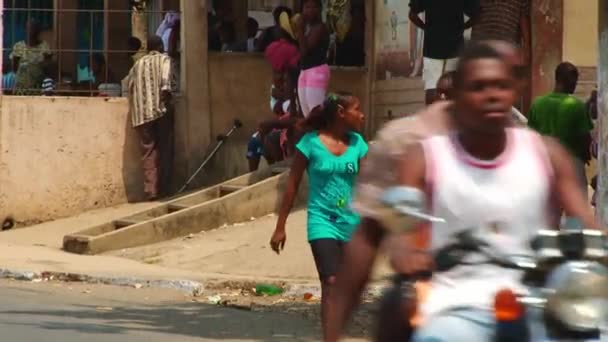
[[239, 250]]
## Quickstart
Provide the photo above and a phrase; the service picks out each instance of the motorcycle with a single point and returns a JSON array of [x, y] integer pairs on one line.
[[566, 275]]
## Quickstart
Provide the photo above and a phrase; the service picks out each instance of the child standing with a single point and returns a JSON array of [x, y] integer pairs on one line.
[[330, 153]]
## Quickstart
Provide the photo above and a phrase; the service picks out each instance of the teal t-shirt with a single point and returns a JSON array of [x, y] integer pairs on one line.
[[563, 117], [331, 180]]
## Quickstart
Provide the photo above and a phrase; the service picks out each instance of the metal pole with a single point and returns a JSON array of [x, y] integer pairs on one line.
[[602, 75], [221, 139]]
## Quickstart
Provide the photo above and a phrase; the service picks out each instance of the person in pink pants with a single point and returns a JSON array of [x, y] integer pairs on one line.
[[313, 39]]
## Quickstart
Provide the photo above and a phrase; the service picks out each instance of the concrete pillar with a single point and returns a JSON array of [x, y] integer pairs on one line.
[[193, 117], [602, 192], [139, 24]]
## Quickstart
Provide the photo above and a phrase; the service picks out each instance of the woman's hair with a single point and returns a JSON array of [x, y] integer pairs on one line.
[[323, 116]]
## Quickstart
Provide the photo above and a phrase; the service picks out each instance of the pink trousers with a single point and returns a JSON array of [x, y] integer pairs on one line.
[[312, 87]]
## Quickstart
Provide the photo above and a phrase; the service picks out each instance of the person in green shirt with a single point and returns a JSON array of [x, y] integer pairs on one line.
[[330, 153], [561, 115]]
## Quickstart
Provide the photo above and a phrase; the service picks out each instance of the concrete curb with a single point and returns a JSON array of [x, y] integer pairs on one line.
[[190, 287]]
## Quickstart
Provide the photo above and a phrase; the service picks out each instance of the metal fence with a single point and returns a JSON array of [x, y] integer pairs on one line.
[[83, 47]]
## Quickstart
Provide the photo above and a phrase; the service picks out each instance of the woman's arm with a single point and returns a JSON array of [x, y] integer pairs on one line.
[[299, 164]]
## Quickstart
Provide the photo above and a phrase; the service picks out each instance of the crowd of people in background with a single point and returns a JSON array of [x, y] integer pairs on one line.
[[346, 47], [32, 67], [297, 49], [500, 56]]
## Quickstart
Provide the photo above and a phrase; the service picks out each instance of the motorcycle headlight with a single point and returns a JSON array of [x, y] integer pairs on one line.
[[578, 295]]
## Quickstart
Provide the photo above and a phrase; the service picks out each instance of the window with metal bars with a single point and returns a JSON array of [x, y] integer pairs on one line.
[[79, 47]]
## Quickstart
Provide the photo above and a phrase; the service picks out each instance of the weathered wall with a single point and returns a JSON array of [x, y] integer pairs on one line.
[[580, 32], [581, 41], [240, 88], [60, 156], [547, 43]]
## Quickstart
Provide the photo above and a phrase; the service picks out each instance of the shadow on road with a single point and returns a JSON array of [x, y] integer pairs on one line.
[[189, 319]]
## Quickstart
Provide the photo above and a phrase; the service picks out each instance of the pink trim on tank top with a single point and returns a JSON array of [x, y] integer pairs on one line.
[[484, 164]]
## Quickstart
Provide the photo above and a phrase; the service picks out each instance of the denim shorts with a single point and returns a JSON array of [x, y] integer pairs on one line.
[[254, 147]]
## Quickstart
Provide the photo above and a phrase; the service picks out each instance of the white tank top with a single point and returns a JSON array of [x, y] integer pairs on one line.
[[506, 200]]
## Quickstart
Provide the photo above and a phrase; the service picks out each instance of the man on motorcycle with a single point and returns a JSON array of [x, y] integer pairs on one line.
[[486, 175]]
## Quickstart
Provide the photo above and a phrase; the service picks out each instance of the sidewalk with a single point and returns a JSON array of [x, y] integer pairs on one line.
[[240, 250], [51, 233], [238, 253]]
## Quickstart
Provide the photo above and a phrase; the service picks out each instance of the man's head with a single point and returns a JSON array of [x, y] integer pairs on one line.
[[513, 56], [133, 45], [155, 44], [566, 78], [484, 90], [252, 27], [33, 30], [227, 32], [311, 10]]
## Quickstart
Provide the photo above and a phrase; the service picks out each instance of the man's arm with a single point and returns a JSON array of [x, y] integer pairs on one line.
[[415, 18], [567, 187], [472, 10], [417, 7], [360, 253]]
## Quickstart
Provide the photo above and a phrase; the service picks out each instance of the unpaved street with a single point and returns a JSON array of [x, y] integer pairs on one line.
[[70, 312]]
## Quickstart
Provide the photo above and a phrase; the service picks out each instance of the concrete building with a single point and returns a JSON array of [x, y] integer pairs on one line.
[[62, 155]]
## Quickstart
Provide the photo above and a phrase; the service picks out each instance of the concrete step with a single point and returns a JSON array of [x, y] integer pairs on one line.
[[237, 200]]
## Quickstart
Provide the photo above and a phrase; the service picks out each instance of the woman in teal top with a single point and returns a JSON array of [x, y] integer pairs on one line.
[[330, 153]]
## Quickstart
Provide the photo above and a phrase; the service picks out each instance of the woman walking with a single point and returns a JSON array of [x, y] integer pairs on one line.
[[313, 39], [330, 153]]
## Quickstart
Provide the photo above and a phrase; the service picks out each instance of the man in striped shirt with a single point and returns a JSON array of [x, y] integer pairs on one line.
[[151, 115], [507, 20]]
